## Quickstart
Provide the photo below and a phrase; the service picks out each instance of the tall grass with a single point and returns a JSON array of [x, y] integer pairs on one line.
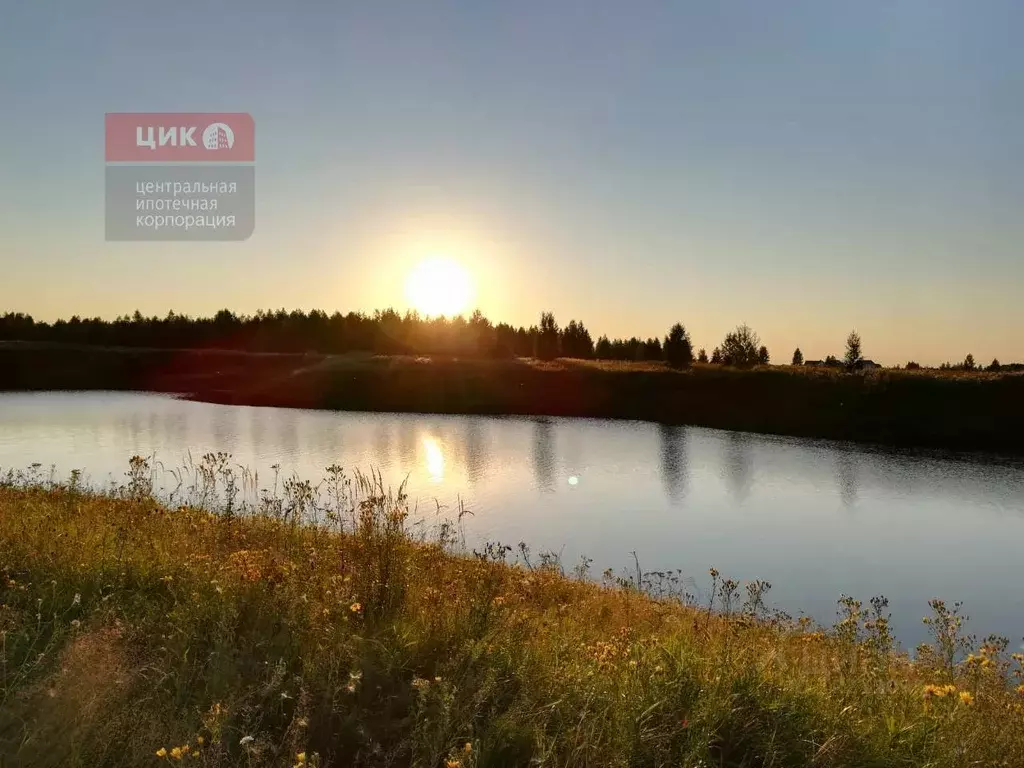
[[318, 625]]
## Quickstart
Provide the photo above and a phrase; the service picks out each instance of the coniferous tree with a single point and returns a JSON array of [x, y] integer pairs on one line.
[[853, 351], [677, 348], [547, 337]]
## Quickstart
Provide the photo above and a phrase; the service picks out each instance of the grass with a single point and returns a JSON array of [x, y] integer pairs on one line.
[[321, 626]]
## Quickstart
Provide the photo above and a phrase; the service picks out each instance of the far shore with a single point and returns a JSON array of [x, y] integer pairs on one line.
[[922, 409]]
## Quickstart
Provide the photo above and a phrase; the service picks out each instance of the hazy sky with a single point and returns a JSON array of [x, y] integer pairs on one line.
[[805, 167]]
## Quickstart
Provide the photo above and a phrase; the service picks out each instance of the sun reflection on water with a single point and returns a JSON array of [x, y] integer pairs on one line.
[[434, 458]]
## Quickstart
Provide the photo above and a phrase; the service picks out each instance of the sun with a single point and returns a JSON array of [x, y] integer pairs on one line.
[[439, 286]]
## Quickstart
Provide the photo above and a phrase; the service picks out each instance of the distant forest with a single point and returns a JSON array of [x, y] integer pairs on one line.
[[390, 332]]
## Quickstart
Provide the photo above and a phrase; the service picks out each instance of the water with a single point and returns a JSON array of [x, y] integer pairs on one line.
[[815, 518]]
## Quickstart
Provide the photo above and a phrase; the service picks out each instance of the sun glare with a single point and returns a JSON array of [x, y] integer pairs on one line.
[[439, 287]]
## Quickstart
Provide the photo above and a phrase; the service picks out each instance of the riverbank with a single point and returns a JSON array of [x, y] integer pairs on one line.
[[135, 633], [965, 412]]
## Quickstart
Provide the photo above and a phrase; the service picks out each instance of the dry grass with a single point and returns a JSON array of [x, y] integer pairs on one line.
[[246, 637]]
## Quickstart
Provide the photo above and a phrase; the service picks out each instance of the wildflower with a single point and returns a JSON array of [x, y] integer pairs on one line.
[[468, 748], [78, 599], [76, 623], [300, 758], [420, 683], [356, 607], [245, 741], [966, 697], [355, 677], [437, 679], [162, 752], [200, 740], [176, 753], [452, 764]]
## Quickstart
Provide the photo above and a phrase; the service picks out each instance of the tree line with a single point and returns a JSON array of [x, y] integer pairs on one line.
[[382, 332], [390, 332]]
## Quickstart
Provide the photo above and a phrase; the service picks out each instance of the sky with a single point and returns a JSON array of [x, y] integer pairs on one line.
[[806, 167]]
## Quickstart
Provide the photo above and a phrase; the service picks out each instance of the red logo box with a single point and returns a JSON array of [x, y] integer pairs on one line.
[[180, 137]]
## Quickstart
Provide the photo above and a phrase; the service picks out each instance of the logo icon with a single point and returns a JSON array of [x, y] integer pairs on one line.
[[218, 136]]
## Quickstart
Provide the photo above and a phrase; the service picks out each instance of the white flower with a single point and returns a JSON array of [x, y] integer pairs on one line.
[[78, 599], [245, 741], [76, 623]]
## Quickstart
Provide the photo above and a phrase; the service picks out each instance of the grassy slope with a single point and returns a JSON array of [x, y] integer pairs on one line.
[[922, 409], [129, 627]]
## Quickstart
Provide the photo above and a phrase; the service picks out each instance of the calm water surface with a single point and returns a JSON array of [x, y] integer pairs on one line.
[[815, 518]]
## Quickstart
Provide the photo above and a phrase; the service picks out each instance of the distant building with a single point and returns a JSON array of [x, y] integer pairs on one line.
[[814, 362], [868, 364]]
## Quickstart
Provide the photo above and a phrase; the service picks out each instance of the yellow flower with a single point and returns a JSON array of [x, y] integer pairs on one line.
[[356, 607], [966, 697], [300, 758], [468, 748], [200, 740], [176, 753], [162, 752]]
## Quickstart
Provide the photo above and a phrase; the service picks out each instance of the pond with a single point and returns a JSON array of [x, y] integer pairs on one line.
[[815, 518]]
